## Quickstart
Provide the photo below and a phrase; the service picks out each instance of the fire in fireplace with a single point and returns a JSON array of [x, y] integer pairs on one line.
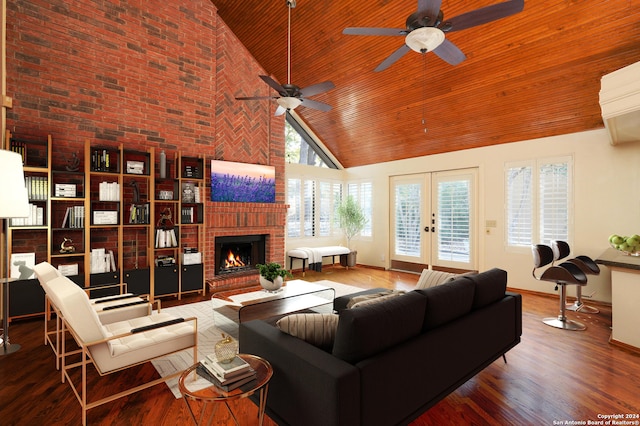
[[237, 254]]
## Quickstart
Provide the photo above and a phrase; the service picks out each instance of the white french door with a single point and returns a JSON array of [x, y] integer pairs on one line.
[[433, 218]]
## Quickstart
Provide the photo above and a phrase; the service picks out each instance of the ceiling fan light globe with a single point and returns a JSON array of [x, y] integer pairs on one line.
[[289, 102], [424, 39]]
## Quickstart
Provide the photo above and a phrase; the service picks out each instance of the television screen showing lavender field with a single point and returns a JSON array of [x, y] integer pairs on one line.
[[242, 182]]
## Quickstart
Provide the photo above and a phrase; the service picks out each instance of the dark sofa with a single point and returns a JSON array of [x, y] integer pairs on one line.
[[393, 360]]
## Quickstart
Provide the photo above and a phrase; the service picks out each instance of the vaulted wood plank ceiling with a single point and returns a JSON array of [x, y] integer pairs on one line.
[[530, 75]]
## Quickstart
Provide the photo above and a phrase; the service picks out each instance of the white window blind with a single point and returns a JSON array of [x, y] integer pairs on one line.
[[554, 202], [519, 199], [308, 196], [325, 208], [336, 200], [363, 193], [408, 202], [454, 213], [294, 213]]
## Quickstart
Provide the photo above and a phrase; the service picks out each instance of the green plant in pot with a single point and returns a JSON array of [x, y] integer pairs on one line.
[[272, 276], [352, 222]]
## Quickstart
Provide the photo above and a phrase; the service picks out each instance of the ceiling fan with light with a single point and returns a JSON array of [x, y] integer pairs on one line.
[[292, 96], [426, 28]]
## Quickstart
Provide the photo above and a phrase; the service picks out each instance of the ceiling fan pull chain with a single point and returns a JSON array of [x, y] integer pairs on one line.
[[424, 93]]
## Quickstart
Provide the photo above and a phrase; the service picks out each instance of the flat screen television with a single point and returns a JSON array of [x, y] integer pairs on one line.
[[242, 182]]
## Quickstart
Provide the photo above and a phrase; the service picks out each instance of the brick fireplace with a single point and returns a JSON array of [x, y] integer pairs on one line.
[[243, 220]]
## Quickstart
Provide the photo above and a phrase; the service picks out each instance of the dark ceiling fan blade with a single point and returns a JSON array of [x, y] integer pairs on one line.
[[392, 58], [275, 85], [450, 53], [310, 103], [316, 89], [374, 31], [483, 15], [255, 98], [430, 8], [280, 110]]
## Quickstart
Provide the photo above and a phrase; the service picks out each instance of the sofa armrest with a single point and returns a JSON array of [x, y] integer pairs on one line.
[[309, 386], [518, 298]]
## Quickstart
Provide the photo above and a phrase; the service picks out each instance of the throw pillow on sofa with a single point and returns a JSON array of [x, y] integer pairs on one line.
[[316, 329], [368, 299], [429, 278]]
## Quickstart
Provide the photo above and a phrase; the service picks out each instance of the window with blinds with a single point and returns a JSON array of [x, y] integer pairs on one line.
[[454, 213], [408, 202], [538, 201], [312, 207]]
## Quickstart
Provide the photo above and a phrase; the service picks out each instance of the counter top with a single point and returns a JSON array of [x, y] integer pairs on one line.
[[613, 257]]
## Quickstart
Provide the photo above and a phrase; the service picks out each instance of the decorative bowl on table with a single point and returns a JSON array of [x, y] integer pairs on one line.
[[629, 246]]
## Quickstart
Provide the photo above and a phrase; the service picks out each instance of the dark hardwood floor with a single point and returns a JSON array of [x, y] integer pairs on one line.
[[551, 376]]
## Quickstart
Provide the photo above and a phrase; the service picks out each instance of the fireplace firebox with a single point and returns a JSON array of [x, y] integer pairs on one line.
[[239, 254]]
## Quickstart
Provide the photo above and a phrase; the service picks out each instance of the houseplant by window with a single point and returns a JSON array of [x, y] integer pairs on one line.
[[352, 221], [272, 276]]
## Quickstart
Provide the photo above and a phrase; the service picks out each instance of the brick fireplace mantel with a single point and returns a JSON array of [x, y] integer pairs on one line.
[[227, 219]]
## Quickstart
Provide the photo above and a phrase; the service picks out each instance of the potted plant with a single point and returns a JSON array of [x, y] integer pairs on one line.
[[272, 276], [352, 221]]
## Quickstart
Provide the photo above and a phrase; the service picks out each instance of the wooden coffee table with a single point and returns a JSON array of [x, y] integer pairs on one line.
[[295, 295], [194, 396]]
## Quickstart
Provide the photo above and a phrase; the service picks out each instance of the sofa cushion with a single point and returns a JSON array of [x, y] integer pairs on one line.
[[490, 286], [370, 329], [447, 301], [316, 329]]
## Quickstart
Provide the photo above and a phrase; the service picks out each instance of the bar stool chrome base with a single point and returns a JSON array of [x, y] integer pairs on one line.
[[565, 324]]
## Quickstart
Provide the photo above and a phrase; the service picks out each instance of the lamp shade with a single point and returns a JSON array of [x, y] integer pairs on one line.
[[14, 201]]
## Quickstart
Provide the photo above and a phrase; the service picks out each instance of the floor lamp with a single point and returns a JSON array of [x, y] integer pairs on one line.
[[14, 202]]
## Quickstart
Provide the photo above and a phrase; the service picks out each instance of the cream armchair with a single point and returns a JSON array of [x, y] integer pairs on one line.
[[116, 346], [110, 309]]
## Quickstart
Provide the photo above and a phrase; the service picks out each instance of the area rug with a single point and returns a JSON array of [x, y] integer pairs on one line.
[[215, 317]]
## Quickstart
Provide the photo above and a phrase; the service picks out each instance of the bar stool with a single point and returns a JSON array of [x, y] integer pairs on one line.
[[561, 250], [564, 274]]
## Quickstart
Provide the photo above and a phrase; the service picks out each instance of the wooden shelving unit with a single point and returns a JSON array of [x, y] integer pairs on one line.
[[97, 217]]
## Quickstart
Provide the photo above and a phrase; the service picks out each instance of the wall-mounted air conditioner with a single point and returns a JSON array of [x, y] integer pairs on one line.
[[620, 104]]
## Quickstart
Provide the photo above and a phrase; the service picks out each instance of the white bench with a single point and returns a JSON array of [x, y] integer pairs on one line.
[[314, 256]]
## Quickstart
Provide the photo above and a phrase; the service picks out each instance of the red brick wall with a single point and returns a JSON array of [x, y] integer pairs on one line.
[[146, 73]]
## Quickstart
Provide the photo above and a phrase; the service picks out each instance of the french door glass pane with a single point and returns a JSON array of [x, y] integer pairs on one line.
[[408, 202], [454, 209]]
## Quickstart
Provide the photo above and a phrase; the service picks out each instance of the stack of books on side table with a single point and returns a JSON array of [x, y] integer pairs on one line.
[[227, 376]]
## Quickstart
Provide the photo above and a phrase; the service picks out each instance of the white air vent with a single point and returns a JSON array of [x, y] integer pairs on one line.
[[620, 104]]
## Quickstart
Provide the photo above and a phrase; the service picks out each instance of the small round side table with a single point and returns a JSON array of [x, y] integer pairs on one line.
[[213, 394]]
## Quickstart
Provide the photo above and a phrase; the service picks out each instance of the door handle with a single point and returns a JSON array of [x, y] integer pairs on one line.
[[426, 229]]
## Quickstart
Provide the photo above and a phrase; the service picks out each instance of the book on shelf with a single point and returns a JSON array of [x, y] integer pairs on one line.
[[236, 367], [228, 385], [22, 265], [188, 192]]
